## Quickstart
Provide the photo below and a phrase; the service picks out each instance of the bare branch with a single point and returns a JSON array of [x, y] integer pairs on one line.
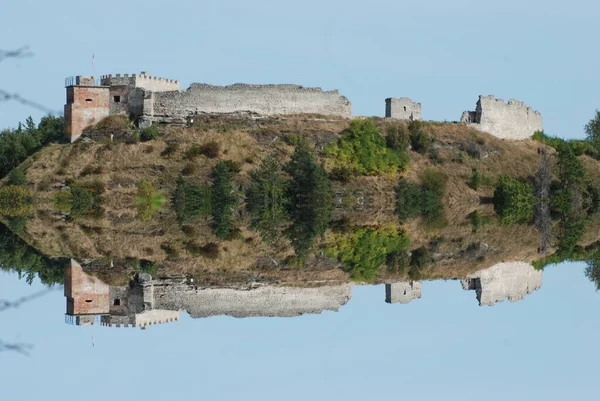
[[21, 52], [6, 96], [4, 304], [21, 348]]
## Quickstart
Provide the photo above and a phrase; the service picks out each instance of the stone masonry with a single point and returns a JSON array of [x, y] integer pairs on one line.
[[512, 120], [149, 99], [402, 292], [512, 280], [402, 109]]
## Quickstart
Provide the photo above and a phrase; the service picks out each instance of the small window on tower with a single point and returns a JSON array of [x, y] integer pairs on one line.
[[88, 301], [117, 99], [404, 108], [117, 302], [89, 100]]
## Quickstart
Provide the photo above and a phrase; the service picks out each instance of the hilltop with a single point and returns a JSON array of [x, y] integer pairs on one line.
[[115, 159]]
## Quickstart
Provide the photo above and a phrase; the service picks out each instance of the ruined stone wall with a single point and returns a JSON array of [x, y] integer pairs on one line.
[[512, 280], [512, 120], [260, 99], [402, 292], [263, 301], [402, 109], [85, 293], [86, 106]]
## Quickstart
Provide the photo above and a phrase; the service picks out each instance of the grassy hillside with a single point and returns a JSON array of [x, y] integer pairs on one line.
[[121, 229]]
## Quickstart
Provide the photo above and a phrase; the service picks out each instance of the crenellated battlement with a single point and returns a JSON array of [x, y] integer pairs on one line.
[[141, 320], [141, 80]]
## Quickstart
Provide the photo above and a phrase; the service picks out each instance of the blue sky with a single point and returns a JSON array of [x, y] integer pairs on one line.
[[440, 347], [443, 54]]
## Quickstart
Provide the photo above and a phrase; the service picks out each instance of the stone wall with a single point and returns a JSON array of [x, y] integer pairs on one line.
[[512, 280], [512, 120], [142, 80], [260, 99], [402, 109], [402, 292], [86, 106], [262, 301], [85, 293]]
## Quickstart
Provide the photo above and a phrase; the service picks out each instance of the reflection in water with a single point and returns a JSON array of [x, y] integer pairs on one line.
[[512, 280], [402, 292], [149, 301]]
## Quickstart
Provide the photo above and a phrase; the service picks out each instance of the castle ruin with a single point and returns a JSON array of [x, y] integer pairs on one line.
[[512, 280], [512, 120], [402, 292], [402, 109], [149, 99]]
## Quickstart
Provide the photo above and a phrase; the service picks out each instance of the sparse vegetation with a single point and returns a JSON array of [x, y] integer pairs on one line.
[[18, 144], [422, 200], [363, 251], [15, 200], [265, 199], [363, 150], [309, 200], [420, 140], [224, 199], [148, 201], [190, 200], [513, 200]]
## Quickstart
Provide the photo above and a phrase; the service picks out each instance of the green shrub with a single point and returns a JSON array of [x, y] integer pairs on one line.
[[398, 137], [234, 166], [86, 199], [209, 149], [363, 251], [148, 200], [475, 181], [149, 134], [513, 200], [293, 139], [223, 199], [362, 149], [420, 141], [422, 200], [15, 200], [190, 200], [309, 200], [17, 177], [210, 250], [188, 169], [342, 174], [265, 199], [148, 267], [408, 199], [170, 150], [435, 157]]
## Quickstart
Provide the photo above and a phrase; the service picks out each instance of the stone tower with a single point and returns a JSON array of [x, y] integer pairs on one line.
[[87, 104]]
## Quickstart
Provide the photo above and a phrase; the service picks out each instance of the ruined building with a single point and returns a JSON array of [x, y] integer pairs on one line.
[[512, 280], [147, 301], [402, 292], [512, 120], [402, 109], [149, 99]]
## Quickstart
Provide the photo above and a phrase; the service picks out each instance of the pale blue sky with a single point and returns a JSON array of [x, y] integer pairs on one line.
[[440, 347], [441, 53]]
